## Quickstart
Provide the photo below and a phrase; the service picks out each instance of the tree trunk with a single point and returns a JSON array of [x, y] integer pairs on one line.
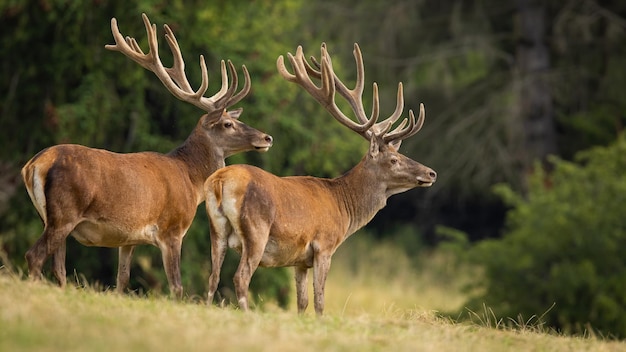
[[536, 113]]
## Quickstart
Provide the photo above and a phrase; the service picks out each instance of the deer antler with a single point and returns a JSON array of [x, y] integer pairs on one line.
[[330, 83], [174, 77]]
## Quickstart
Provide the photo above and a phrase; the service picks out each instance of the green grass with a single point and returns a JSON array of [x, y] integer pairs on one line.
[[386, 279], [41, 317], [372, 304]]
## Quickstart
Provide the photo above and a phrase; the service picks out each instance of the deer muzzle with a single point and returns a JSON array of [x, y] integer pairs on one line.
[[265, 145], [427, 178]]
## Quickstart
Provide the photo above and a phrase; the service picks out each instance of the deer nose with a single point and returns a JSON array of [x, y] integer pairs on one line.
[[269, 139], [432, 174]]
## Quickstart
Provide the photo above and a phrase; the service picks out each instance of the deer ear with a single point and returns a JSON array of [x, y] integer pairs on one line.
[[235, 113], [396, 144], [209, 119], [374, 146]]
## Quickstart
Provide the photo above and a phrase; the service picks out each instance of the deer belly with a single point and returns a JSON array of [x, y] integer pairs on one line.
[[285, 254], [106, 235]]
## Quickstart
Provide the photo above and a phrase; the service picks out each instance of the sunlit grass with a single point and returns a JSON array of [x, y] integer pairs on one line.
[[42, 317], [372, 277], [377, 299]]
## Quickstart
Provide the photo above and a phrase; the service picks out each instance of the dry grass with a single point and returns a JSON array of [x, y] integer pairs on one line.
[[386, 279], [40, 317], [371, 306]]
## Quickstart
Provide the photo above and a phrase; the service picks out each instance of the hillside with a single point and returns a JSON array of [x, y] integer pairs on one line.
[[42, 317]]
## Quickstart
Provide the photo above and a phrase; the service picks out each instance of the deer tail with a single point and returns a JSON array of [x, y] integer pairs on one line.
[[213, 190]]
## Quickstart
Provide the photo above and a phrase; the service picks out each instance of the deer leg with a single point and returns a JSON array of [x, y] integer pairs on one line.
[[320, 272], [242, 278], [218, 252], [251, 254], [125, 254], [220, 230], [170, 251], [58, 264], [301, 288], [51, 238]]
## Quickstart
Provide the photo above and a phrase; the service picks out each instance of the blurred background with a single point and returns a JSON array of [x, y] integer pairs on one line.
[[525, 108]]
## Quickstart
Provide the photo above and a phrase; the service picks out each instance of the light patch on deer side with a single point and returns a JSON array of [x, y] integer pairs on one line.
[[220, 221], [212, 204], [222, 213], [231, 202], [105, 234], [231, 208], [37, 193]]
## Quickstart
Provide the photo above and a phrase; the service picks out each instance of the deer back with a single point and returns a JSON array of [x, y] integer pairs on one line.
[[128, 190]]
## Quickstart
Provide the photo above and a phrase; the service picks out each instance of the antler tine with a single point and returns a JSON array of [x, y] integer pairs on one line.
[[330, 83], [400, 132], [246, 86], [125, 45], [386, 124], [354, 95], [177, 71], [225, 95], [174, 78], [381, 128]]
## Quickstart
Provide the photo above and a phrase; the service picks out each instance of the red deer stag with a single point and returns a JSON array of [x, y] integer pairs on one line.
[[108, 199], [300, 220]]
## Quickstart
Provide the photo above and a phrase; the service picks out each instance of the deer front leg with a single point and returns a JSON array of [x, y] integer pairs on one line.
[[125, 255], [301, 288], [321, 266], [170, 251]]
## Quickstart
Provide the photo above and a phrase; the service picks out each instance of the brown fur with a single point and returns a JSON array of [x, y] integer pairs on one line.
[[109, 199], [300, 221]]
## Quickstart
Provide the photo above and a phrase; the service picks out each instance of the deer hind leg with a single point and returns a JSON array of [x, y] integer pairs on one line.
[[51, 241], [253, 246], [220, 229], [247, 266], [123, 267], [301, 288]]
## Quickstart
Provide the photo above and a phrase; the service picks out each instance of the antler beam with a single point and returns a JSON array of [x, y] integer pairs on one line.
[[174, 77], [330, 83]]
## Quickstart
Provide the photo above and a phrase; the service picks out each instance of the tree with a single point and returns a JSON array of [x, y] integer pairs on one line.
[[504, 83], [534, 91], [563, 246]]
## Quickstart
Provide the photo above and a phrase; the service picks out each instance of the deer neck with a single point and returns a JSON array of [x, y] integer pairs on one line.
[[201, 157], [361, 195]]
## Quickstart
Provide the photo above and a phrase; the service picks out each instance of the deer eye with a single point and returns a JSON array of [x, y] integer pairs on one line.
[[228, 124], [393, 161]]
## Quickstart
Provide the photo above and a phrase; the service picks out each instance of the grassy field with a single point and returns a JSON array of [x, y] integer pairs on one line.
[[40, 317], [371, 307]]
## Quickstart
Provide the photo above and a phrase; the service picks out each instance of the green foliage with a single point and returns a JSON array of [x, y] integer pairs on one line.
[[588, 84], [444, 54], [564, 246]]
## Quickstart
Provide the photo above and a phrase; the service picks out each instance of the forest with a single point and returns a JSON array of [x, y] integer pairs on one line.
[[524, 102]]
